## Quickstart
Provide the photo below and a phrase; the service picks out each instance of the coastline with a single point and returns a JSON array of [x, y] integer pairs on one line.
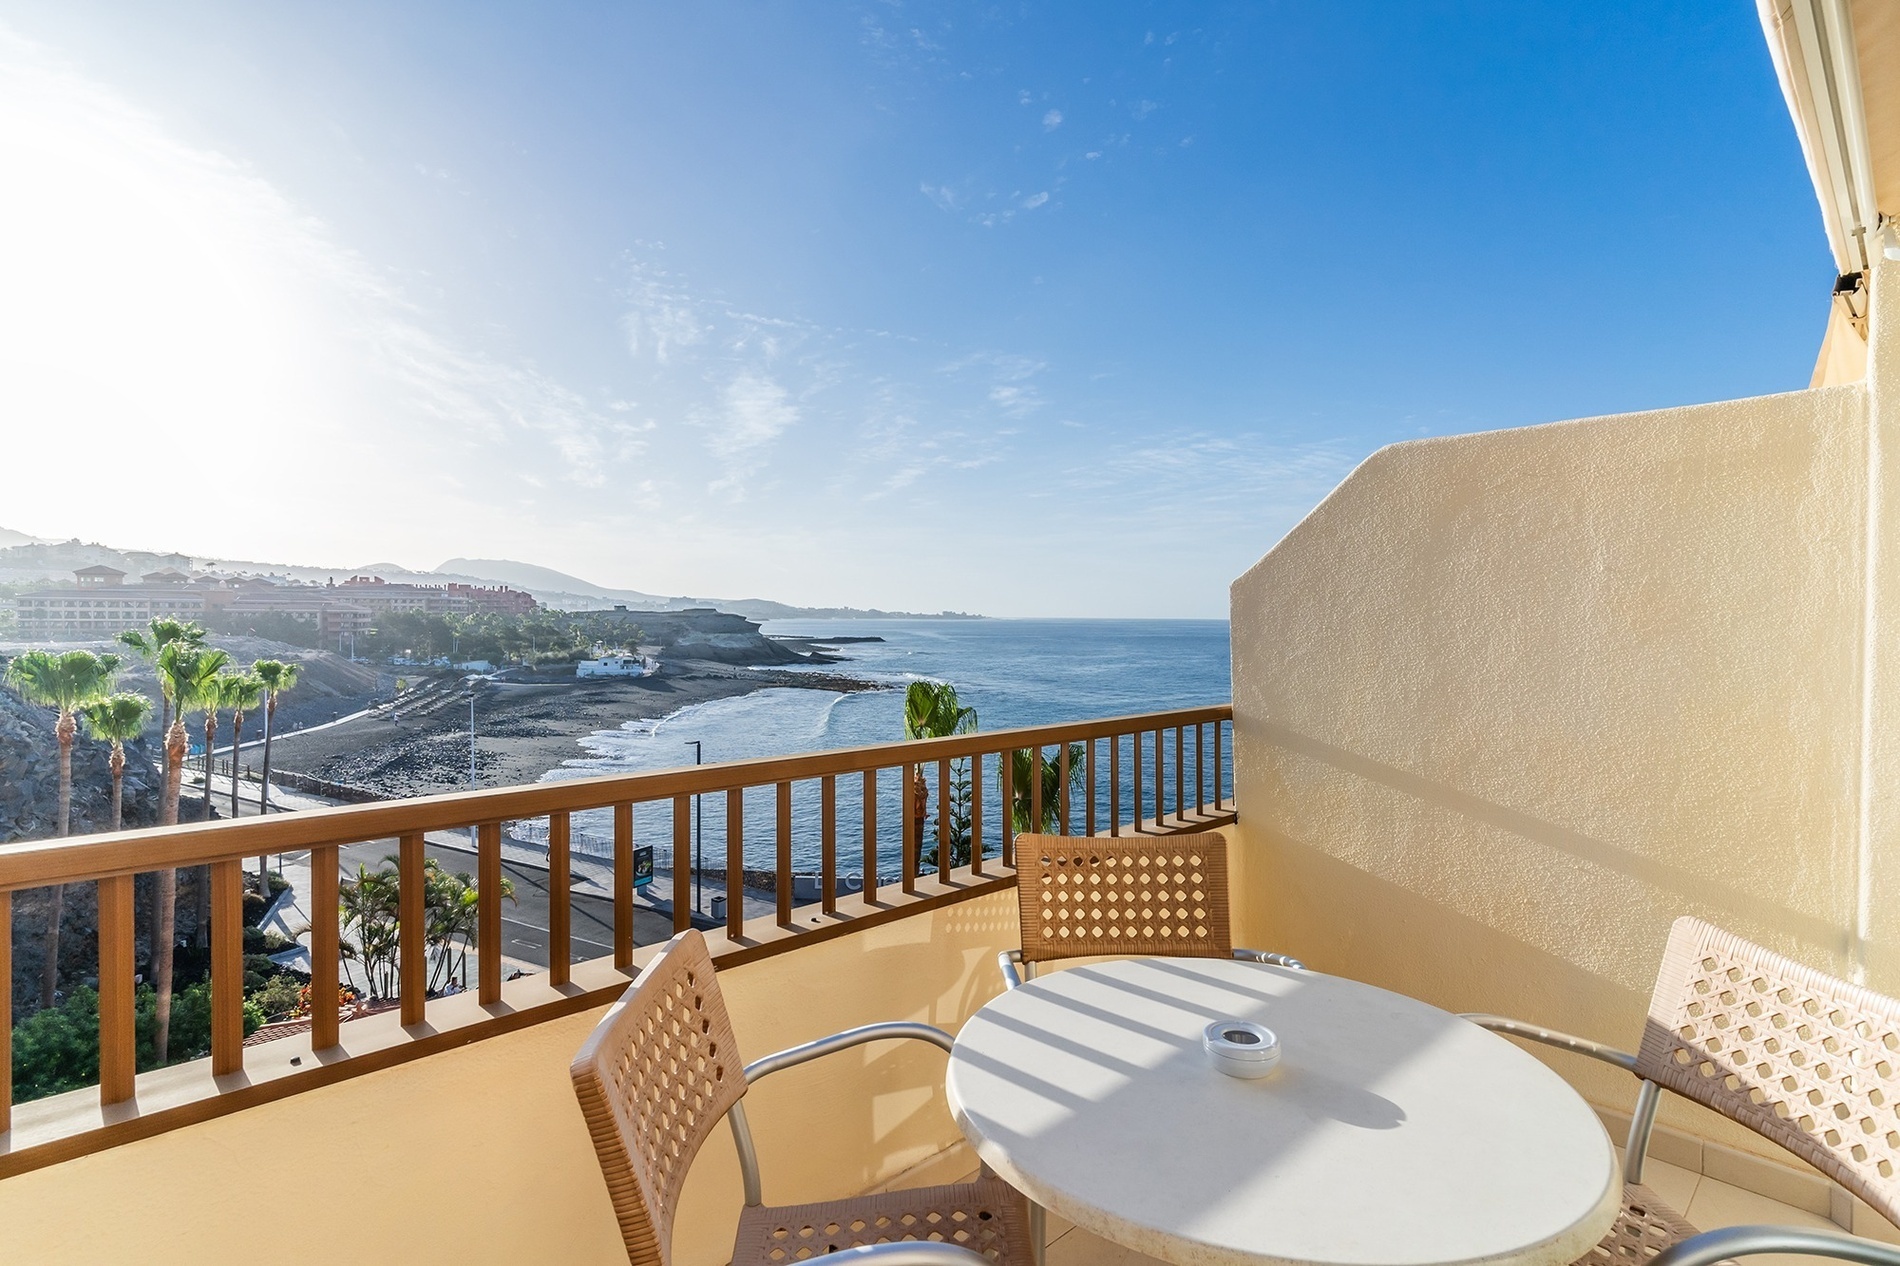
[[523, 730]]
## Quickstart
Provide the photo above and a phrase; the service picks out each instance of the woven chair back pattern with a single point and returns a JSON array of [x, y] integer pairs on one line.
[[1804, 1059], [1080, 896], [654, 1079]]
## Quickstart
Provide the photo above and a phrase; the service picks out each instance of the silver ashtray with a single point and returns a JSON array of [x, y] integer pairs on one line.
[[1241, 1048]]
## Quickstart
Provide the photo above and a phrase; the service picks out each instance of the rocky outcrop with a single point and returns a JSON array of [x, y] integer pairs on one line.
[[29, 776]]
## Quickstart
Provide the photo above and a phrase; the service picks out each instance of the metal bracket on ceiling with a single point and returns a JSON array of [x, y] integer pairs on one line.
[[1850, 296]]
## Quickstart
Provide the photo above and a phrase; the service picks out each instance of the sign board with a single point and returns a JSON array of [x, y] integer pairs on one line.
[[643, 866]]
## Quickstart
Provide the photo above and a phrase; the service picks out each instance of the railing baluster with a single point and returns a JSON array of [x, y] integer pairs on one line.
[[410, 928], [623, 885], [907, 868], [227, 967], [324, 1021], [1220, 781], [976, 814], [1114, 784], [783, 871], [1180, 776], [1200, 770], [560, 898], [943, 820], [828, 844], [6, 1012], [682, 863], [118, 1035], [1161, 782], [488, 911], [735, 862], [1134, 748], [870, 836], [1006, 781], [1035, 790], [1088, 788], [1062, 789]]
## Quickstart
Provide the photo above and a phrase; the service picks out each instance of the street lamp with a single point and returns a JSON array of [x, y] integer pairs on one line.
[[471, 749], [698, 835]]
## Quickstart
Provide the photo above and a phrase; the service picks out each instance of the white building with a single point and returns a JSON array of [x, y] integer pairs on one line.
[[616, 666]]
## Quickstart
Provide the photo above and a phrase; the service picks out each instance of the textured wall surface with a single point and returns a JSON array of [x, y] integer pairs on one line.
[[480, 1155], [1507, 704]]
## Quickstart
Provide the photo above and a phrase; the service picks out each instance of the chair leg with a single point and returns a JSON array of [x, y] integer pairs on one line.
[[1038, 1231]]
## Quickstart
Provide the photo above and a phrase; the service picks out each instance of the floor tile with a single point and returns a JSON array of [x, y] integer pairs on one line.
[[1081, 1248], [1676, 1185], [1716, 1204]]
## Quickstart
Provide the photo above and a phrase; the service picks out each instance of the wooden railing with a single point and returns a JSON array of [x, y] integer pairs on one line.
[[1156, 773]]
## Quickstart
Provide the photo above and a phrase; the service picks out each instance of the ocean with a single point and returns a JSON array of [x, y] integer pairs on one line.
[[1014, 672]]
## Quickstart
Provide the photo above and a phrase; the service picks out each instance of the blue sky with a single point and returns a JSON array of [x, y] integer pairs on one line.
[[1029, 310]]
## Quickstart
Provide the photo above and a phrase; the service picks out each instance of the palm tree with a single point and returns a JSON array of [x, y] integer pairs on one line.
[[1022, 772], [149, 642], [67, 682], [932, 710], [185, 670], [242, 695], [118, 719], [277, 677]]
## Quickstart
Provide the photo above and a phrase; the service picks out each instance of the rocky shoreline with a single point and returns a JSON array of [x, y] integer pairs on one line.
[[523, 729]]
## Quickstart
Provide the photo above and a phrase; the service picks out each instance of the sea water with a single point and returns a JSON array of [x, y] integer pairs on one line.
[[1013, 672]]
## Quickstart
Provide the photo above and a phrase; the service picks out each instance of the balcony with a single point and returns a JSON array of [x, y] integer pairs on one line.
[[1505, 705]]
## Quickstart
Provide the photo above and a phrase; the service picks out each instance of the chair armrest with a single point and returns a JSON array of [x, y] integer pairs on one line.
[[1268, 956], [792, 1056], [1551, 1037], [1008, 962], [1744, 1241]]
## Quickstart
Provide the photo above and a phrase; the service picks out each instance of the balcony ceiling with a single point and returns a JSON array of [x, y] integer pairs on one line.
[[1839, 66]]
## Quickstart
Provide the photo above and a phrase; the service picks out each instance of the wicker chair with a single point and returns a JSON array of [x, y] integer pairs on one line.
[[1803, 1059], [1086, 896], [662, 1067]]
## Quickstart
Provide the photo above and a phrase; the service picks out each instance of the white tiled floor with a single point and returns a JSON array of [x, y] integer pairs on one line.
[[1705, 1202]]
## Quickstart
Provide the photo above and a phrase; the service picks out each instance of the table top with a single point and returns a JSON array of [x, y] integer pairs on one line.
[[1391, 1134]]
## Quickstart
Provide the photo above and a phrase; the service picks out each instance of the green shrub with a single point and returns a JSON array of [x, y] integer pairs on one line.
[[57, 1049], [279, 997]]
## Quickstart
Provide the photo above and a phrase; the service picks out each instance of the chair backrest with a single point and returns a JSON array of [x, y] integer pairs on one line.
[[1800, 1057], [1087, 895], [653, 1079]]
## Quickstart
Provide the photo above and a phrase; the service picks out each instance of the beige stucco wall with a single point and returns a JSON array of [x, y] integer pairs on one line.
[[480, 1155], [1507, 704]]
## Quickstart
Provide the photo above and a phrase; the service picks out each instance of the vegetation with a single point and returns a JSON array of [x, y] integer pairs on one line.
[[277, 677], [57, 1048], [185, 666], [242, 693], [118, 719], [372, 923], [67, 682], [932, 710], [1022, 774], [540, 637]]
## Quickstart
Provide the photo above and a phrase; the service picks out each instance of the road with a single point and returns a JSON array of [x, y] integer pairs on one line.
[[524, 920]]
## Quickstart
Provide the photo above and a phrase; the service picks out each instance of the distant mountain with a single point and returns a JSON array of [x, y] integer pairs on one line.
[[26, 558], [557, 588], [540, 580]]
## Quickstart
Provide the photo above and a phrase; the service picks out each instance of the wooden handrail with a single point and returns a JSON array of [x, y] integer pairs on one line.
[[41, 863], [114, 859]]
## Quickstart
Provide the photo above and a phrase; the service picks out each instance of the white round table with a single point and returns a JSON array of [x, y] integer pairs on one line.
[[1390, 1134]]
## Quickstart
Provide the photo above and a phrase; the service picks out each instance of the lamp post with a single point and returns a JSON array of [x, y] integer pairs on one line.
[[698, 856], [471, 750]]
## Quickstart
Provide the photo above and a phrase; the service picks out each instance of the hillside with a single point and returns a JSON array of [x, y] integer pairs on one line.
[[26, 560]]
